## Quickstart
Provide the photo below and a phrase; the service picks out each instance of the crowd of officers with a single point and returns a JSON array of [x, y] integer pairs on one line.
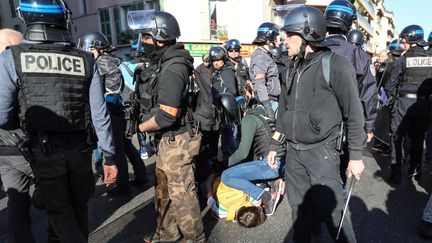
[[302, 110]]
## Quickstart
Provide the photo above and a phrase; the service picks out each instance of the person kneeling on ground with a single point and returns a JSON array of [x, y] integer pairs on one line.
[[256, 132]]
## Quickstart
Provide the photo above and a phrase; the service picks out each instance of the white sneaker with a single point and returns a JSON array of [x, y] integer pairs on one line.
[[144, 155]]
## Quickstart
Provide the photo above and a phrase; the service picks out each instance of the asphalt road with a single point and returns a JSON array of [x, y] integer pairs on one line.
[[379, 213]]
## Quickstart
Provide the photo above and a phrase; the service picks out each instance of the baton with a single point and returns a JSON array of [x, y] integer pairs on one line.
[[351, 187]]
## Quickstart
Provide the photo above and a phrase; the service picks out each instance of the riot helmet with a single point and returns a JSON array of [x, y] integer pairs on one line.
[[206, 57], [157, 25], [233, 44], [276, 53], [430, 39], [340, 14], [45, 12], [396, 48], [355, 37], [308, 22], [228, 108], [283, 49], [95, 40], [266, 32], [413, 34], [217, 53]]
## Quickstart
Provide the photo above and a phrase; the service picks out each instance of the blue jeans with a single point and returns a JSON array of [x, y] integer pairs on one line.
[[240, 176], [97, 160], [142, 142], [274, 106]]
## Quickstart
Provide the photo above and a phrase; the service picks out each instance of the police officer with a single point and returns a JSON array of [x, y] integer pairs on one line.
[[98, 44], [410, 86], [162, 86], [56, 91], [263, 70], [310, 126], [240, 66], [15, 171], [340, 15], [223, 81]]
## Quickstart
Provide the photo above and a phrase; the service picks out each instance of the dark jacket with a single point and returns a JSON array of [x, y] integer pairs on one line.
[[224, 80], [365, 72], [310, 110]]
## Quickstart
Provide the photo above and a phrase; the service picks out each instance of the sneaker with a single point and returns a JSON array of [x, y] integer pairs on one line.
[[276, 189], [144, 155], [119, 191], [414, 171]]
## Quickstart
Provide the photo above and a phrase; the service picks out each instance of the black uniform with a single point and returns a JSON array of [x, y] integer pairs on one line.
[[224, 80], [411, 86], [310, 112], [241, 71], [365, 73]]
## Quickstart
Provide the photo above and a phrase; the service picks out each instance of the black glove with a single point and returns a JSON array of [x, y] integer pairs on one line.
[[269, 110]]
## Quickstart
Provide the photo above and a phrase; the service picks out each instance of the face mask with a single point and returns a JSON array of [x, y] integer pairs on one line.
[[146, 49]]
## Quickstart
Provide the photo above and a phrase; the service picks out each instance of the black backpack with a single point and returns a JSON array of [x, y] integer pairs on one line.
[[197, 96]]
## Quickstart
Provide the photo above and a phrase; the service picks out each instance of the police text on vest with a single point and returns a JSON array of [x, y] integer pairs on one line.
[[413, 62], [54, 63]]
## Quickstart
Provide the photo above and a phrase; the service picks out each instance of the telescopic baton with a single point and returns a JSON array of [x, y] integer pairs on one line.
[[351, 187]]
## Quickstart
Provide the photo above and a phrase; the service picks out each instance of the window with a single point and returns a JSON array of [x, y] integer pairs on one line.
[[105, 23], [12, 8]]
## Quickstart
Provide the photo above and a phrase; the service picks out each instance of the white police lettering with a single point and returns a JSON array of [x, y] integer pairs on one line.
[[418, 62], [37, 62]]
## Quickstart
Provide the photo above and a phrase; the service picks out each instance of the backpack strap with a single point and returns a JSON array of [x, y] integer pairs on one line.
[[325, 61]]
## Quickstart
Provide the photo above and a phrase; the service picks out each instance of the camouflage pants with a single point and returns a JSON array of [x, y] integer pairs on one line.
[[175, 191]]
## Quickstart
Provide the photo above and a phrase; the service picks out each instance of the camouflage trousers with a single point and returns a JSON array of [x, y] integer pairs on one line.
[[176, 199]]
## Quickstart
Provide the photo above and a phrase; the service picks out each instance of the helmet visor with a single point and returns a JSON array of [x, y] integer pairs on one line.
[[142, 20]]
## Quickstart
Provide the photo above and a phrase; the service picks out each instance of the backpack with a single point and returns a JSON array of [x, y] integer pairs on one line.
[[197, 96]]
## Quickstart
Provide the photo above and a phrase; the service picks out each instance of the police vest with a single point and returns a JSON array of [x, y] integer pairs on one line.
[[148, 88], [54, 88], [242, 74], [418, 69], [262, 138]]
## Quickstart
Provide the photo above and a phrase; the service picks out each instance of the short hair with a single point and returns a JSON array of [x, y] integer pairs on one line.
[[250, 217]]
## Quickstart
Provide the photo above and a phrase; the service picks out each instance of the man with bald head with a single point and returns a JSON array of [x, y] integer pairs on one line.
[[9, 37], [15, 171]]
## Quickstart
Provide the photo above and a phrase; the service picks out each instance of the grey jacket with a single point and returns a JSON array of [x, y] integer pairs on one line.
[[269, 87]]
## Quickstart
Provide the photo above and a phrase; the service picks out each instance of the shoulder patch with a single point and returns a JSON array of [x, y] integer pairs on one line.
[[372, 70], [418, 62], [53, 63]]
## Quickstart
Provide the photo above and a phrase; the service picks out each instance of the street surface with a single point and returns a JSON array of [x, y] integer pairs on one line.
[[379, 212]]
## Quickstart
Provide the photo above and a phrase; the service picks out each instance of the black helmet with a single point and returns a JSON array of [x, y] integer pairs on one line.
[[233, 44], [95, 40], [162, 26], [413, 34], [395, 48], [276, 53], [46, 12], [430, 38], [355, 37], [282, 48], [266, 32], [206, 57], [217, 53], [228, 108], [340, 14], [308, 22]]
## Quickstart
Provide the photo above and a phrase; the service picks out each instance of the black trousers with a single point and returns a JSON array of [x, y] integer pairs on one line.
[[64, 184], [409, 117], [16, 175], [316, 193]]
